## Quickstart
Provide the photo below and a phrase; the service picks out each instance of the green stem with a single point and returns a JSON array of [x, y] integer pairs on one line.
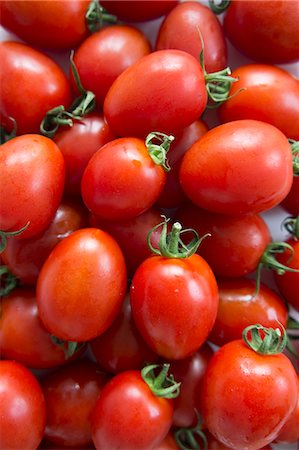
[[219, 7], [291, 224], [295, 153], [8, 135], [5, 234], [69, 347], [265, 341], [158, 152], [8, 281], [96, 16], [187, 438], [161, 385]]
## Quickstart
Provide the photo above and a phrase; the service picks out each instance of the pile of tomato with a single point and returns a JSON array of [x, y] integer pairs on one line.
[[138, 172]]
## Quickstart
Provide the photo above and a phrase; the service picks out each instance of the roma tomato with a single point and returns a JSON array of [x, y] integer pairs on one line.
[[240, 167], [268, 34], [32, 84], [32, 183], [23, 337], [81, 285], [52, 25], [103, 56], [164, 91], [122, 180], [264, 387], [138, 10], [174, 299], [267, 93], [23, 413], [70, 394], [239, 307], [180, 30], [290, 431]]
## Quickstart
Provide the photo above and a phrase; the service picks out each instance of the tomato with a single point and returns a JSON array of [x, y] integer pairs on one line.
[[174, 302], [236, 243], [128, 415], [138, 10], [168, 443], [121, 347], [68, 422], [78, 144], [23, 337], [52, 25], [290, 430], [25, 257], [121, 180], [268, 34], [81, 285], [267, 93], [287, 283], [23, 414], [32, 84], [247, 397], [163, 91], [180, 30], [240, 167], [103, 56], [32, 182], [291, 202], [240, 307]]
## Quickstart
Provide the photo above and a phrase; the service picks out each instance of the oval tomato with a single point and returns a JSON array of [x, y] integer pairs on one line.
[[138, 10], [267, 93], [81, 285], [180, 30], [32, 182], [31, 85], [240, 167], [164, 91], [291, 202], [288, 282]]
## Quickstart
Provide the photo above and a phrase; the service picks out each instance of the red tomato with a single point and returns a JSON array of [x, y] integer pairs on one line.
[[128, 415], [121, 180], [288, 282], [236, 244], [103, 56], [240, 307], [70, 394], [267, 34], [25, 257], [78, 144], [23, 414], [180, 30], [22, 335], [291, 202], [269, 94], [169, 443], [240, 167], [163, 91], [138, 10], [81, 285], [121, 347], [31, 84], [290, 430], [32, 182], [53, 25], [247, 397]]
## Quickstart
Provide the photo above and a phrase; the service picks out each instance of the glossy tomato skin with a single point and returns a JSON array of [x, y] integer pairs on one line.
[[51, 25], [269, 34], [32, 182], [180, 30], [140, 10], [29, 74], [81, 285], [121, 347], [240, 167], [290, 431], [240, 307], [236, 243], [264, 388], [267, 93], [121, 180], [288, 282], [22, 335], [78, 144], [23, 414], [104, 55], [70, 394], [174, 304], [125, 404], [291, 202], [25, 257], [163, 91]]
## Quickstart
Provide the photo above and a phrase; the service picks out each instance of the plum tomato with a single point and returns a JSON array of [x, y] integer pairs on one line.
[[138, 10]]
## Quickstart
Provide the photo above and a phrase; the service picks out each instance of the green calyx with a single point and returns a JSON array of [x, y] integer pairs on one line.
[[191, 438], [158, 145], [8, 281], [219, 7], [162, 384], [69, 347], [8, 135], [59, 116], [5, 234], [295, 154], [291, 224], [171, 244], [96, 16], [265, 341]]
